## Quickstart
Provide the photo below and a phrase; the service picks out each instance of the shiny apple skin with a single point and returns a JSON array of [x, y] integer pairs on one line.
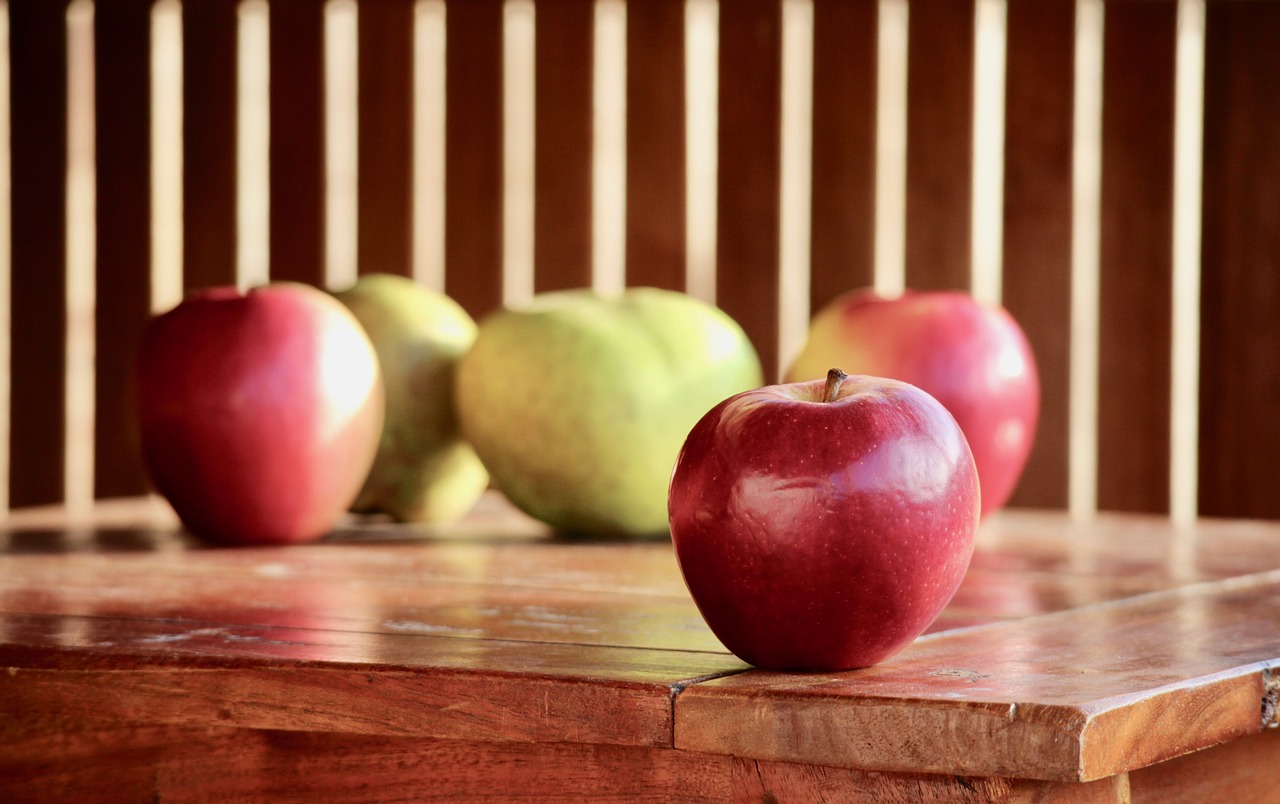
[[259, 413], [972, 357], [823, 535]]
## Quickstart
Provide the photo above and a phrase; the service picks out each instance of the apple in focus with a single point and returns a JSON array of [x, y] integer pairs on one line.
[[577, 403], [824, 525], [424, 470], [972, 357], [258, 412]]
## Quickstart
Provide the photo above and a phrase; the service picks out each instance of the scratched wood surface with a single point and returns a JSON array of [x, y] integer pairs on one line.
[[1078, 662]]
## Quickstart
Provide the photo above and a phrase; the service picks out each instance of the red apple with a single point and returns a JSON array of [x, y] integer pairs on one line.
[[259, 413], [972, 357], [823, 525]]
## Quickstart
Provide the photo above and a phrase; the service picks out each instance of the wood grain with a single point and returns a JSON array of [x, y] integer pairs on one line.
[[1073, 656], [38, 250], [1036, 281], [186, 764], [296, 679], [1077, 695]]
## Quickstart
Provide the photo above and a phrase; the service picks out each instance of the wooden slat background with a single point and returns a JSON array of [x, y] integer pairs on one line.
[[1039, 85], [1239, 357], [123, 279], [939, 143], [38, 119]]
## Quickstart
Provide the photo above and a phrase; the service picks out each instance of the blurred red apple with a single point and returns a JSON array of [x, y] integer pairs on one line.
[[259, 413], [823, 525], [972, 357]]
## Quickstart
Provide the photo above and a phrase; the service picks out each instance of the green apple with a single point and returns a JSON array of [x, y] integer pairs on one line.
[[578, 403], [424, 470]]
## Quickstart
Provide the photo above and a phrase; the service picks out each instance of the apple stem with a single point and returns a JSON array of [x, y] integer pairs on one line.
[[832, 390]]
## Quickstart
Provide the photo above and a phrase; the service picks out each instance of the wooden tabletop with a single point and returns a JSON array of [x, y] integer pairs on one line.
[[1073, 653]]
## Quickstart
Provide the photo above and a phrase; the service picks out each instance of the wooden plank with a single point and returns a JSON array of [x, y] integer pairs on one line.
[[757, 780], [1246, 770], [1240, 353], [749, 173], [377, 611], [209, 142], [385, 180], [1126, 546], [297, 141], [651, 610], [563, 143], [1136, 259], [38, 139], [473, 155], [656, 203], [301, 679], [844, 100], [501, 632], [123, 151], [216, 762], [939, 143], [1037, 224], [1073, 696], [172, 763]]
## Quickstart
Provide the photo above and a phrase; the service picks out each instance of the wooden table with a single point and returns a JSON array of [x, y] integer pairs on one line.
[[1119, 660]]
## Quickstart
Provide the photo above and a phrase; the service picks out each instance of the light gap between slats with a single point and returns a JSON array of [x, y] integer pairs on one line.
[[341, 142], [517, 150], [795, 180], [1086, 188], [81, 280], [890, 231], [988, 149], [166, 155], [702, 79], [609, 148], [1188, 153], [253, 143], [429, 143]]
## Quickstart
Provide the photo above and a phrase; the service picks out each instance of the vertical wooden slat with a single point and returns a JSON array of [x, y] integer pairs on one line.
[[473, 154], [297, 141], [656, 144], [563, 144], [385, 228], [939, 143], [1039, 86], [844, 100], [1240, 333], [747, 231], [1136, 263], [209, 142], [38, 141], [122, 47]]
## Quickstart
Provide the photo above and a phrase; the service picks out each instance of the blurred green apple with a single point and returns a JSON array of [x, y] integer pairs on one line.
[[424, 471], [578, 403]]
